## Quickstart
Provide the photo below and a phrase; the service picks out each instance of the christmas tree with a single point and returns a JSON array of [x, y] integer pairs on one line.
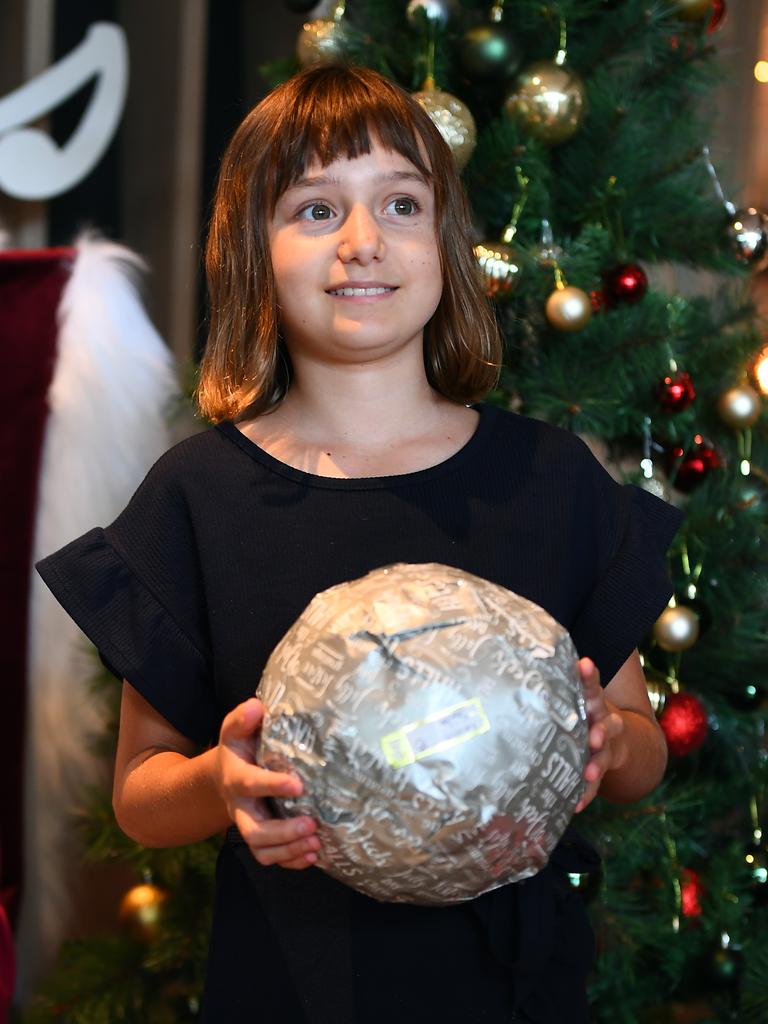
[[582, 134]]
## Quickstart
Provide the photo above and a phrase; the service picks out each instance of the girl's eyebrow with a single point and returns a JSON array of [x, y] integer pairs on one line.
[[377, 179]]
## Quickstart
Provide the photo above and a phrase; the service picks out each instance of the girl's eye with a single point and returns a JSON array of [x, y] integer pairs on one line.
[[404, 207], [316, 211]]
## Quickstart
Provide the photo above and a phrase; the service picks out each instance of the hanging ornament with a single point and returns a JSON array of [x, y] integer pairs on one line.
[[692, 10], [452, 118], [677, 628], [684, 724], [141, 911], [323, 40], [675, 392], [739, 407], [748, 232], [490, 50], [548, 100], [760, 371], [625, 284], [719, 14], [431, 12], [691, 893], [300, 6], [659, 691], [498, 263], [567, 308], [747, 229], [690, 469]]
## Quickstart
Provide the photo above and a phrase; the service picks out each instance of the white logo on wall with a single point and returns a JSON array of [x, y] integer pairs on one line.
[[32, 165]]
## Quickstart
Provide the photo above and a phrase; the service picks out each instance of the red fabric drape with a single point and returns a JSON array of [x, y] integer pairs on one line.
[[31, 283]]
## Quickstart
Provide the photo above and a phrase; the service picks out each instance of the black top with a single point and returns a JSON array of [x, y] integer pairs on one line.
[[223, 546]]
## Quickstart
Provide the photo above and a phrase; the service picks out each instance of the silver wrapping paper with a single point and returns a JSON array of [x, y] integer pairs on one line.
[[438, 724]]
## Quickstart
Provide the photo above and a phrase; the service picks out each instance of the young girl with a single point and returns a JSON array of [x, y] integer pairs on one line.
[[349, 340]]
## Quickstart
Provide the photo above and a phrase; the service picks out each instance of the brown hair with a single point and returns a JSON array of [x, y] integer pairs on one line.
[[326, 112]]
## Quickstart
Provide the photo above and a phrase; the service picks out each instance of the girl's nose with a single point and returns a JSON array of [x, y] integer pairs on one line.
[[360, 239]]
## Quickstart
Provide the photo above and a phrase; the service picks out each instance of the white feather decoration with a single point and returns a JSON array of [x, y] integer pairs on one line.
[[114, 382]]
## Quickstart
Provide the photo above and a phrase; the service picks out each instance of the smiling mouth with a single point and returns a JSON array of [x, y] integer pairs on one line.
[[360, 292]]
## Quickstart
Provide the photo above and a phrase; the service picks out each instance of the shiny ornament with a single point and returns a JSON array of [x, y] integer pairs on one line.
[[499, 268], [677, 628], [453, 120], [690, 469], [748, 697], [692, 10], [300, 6], [739, 407], [675, 392], [436, 12], [760, 371], [490, 51], [321, 41], [438, 724], [691, 893], [659, 691], [719, 14], [141, 911], [624, 284], [684, 724], [548, 100], [568, 309], [748, 234]]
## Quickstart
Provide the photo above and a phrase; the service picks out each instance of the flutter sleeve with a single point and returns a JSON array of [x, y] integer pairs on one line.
[[135, 589], [631, 531]]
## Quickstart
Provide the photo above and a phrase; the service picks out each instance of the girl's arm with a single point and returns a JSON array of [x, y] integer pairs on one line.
[[629, 751], [164, 795]]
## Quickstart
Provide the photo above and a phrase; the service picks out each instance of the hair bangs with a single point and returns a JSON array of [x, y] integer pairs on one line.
[[338, 115]]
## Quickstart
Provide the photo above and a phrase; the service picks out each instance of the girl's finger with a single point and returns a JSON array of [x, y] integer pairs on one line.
[[277, 832], [303, 848], [299, 864]]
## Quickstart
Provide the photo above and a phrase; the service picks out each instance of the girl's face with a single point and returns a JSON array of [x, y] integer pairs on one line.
[[355, 259]]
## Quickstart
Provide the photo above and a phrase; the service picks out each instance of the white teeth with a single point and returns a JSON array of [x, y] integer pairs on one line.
[[360, 291]]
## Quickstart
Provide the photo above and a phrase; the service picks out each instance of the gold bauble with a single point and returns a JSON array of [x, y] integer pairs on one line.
[[739, 407], [568, 309], [453, 120], [499, 268], [692, 10], [658, 691], [676, 629], [141, 910], [320, 42], [548, 100]]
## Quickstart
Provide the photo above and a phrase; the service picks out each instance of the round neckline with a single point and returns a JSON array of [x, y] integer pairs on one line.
[[487, 415]]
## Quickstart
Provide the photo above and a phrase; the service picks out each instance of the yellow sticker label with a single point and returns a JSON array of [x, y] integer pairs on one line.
[[436, 732]]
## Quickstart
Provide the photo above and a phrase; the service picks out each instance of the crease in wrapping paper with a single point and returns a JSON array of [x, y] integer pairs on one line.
[[438, 725]]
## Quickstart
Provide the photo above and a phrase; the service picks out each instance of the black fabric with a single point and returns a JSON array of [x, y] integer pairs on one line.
[[222, 547]]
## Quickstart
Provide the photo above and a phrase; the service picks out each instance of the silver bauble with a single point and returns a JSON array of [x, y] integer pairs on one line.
[[676, 629], [453, 120], [437, 722], [740, 407], [434, 11], [499, 268], [490, 51], [321, 41], [748, 232]]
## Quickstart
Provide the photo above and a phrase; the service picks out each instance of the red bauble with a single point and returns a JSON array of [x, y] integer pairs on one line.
[[626, 283], [691, 891], [675, 392], [684, 723], [719, 12], [695, 466]]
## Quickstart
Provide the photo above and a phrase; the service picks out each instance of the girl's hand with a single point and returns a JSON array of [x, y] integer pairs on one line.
[[289, 842], [606, 728]]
